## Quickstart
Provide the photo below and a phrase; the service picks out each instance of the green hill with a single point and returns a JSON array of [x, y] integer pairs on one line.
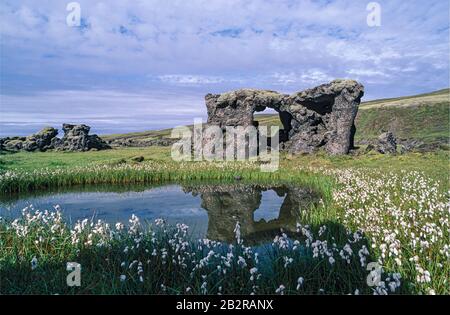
[[424, 117]]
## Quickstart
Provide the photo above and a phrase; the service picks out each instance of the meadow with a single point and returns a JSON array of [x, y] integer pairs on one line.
[[392, 210]]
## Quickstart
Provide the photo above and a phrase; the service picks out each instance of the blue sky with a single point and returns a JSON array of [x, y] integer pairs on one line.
[[138, 65]]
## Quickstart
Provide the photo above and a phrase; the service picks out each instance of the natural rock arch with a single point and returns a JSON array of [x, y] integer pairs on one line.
[[319, 117]]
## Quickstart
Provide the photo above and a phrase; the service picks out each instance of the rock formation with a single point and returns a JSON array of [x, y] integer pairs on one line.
[[12, 143], [127, 142], [40, 141], [76, 138], [387, 143], [319, 117]]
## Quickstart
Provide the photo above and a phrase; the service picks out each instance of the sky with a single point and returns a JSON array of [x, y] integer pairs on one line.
[[134, 65]]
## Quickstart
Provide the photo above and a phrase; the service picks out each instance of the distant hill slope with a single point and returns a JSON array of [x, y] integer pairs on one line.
[[424, 117]]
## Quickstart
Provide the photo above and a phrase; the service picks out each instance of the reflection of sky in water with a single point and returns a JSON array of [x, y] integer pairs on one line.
[[270, 206], [168, 202]]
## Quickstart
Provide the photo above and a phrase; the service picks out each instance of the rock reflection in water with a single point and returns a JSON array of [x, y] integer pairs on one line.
[[211, 209], [227, 204]]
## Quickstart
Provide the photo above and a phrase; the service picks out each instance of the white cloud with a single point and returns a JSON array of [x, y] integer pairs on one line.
[[367, 73], [161, 45], [190, 79], [316, 76], [305, 78], [286, 78]]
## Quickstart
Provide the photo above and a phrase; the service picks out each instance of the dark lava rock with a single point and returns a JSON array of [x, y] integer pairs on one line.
[[370, 147], [319, 117], [40, 141], [77, 138], [141, 143], [138, 159], [387, 143], [13, 143]]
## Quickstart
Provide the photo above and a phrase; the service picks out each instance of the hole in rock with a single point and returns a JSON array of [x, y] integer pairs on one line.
[[270, 117]]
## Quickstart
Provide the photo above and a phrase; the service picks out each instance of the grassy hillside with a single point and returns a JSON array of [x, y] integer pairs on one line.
[[143, 135], [264, 119], [424, 117], [435, 97]]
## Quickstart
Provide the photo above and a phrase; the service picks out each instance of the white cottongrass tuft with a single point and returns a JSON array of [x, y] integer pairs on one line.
[[280, 289], [300, 281]]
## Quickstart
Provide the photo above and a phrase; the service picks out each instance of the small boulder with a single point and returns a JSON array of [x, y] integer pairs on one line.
[[13, 145], [30, 145], [40, 141], [46, 134], [369, 148], [138, 159], [387, 143], [97, 143]]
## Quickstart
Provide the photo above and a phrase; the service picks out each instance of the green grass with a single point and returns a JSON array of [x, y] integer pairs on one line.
[[42, 170], [433, 164], [425, 122], [101, 254], [424, 98], [424, 117], [30, 160]]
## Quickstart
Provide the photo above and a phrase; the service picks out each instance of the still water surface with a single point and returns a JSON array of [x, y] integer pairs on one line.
[[210, 210]]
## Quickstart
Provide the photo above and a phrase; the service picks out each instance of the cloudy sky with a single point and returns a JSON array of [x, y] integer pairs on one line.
[[137, 65]]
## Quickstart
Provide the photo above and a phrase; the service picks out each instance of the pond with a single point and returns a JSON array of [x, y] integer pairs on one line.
[[210, 209]]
